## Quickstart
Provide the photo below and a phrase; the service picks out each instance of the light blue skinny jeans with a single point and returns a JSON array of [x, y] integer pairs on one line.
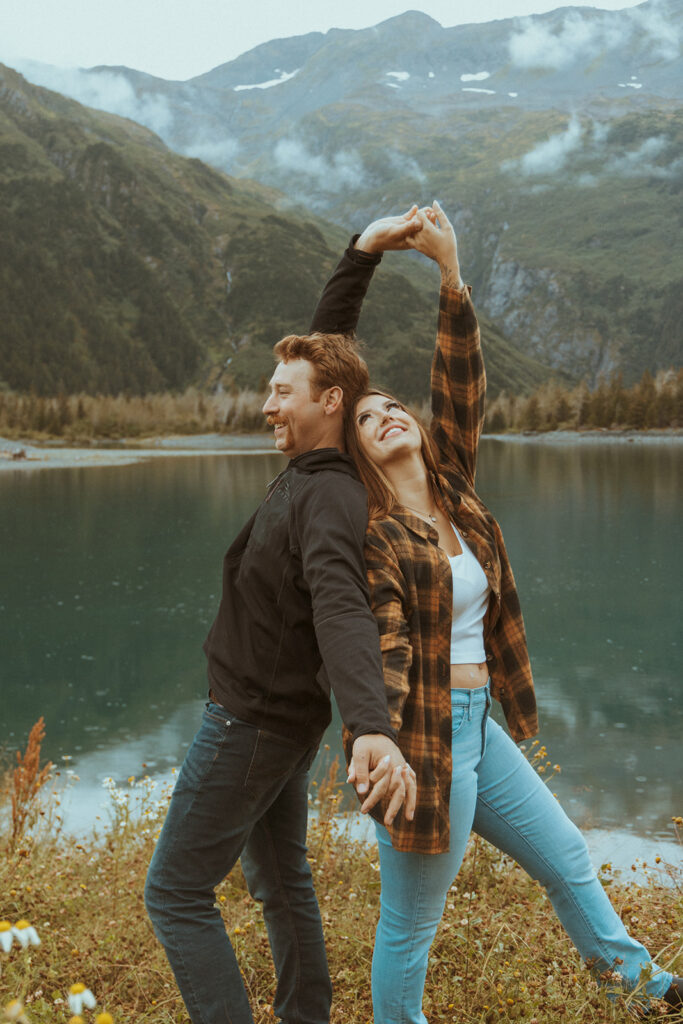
[[497, 793]]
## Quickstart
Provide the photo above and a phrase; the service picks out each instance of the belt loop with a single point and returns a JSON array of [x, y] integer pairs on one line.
[[469, 706]]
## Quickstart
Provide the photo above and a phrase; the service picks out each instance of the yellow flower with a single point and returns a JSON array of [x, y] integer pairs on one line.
[[104, 1018], [76, 1020], [14, 1011]]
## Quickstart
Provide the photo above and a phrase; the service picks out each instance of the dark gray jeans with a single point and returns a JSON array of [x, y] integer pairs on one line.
[[240, 792]]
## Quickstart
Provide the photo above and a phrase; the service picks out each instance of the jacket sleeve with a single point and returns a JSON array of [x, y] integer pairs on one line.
[[330, 518], [340, 304], [388, 607], [458, 383]]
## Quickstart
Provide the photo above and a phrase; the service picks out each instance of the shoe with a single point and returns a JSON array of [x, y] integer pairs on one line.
[[674, 996]]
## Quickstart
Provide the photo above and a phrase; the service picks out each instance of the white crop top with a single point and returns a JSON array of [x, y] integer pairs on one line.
[[470, 601]]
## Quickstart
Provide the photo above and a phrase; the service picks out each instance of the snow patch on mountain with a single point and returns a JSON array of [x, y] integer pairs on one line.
[[284, 77]]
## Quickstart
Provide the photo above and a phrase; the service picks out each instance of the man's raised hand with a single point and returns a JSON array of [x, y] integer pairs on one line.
[[390, 232]]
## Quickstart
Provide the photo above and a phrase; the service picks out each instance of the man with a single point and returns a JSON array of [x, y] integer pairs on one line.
[[293, 621]]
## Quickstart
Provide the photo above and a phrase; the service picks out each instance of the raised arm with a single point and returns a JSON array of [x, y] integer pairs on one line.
[[340, 304], [458, 374]]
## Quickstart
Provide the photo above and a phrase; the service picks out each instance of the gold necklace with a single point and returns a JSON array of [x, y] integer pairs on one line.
[[430, 515]]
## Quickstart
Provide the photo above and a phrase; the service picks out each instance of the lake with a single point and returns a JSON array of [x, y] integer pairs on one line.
[[111, 578]]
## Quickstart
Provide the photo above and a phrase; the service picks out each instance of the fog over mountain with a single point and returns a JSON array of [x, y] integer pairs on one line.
[[555, 140]]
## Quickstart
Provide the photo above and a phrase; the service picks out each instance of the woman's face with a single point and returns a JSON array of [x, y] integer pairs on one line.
[[385, 429]]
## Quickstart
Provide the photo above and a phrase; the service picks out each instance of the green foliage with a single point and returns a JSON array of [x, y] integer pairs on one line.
[[652, 403], [125, 268]]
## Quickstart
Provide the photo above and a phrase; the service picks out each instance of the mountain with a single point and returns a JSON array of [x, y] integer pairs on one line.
[[555, 141], [125, 267]]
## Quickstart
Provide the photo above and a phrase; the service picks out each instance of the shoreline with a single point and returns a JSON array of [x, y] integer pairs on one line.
[[26, 456], [31, 455], [86, 804]]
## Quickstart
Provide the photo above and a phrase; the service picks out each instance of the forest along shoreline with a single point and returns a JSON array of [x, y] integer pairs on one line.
[[50, 454]]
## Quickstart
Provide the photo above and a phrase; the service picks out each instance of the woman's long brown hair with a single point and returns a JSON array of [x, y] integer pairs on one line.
[[381, 498]]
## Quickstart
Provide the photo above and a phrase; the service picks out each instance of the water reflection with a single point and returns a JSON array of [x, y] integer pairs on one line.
[[111, 578]]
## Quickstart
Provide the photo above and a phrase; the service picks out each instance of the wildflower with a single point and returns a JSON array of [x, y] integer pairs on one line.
[[26, 934], [6, 937], [76, 1020], [15, 1011], [80, 996], [104, 1018]]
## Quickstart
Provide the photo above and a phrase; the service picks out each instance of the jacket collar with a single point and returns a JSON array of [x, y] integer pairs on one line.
[[324, 458]]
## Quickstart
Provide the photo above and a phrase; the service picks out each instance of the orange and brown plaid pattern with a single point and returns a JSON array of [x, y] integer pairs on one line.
[[411, 589]]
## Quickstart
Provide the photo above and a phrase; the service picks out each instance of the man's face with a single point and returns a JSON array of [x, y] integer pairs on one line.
[[298, 419]]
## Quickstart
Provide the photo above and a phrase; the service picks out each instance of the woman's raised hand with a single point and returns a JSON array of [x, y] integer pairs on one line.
[[437, 240]]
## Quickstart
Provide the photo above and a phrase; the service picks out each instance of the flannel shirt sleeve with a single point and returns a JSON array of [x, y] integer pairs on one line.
[[458, 382], [388, 607]]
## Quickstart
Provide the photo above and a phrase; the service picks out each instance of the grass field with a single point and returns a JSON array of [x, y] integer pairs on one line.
[[499, 955]]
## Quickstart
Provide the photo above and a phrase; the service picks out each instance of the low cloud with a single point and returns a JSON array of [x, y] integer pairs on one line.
[[344, 170], [593, 159], [114, 93], [581, 37], [640, 163], [405, 166], [103, 90], [219, 154], [549, 156]]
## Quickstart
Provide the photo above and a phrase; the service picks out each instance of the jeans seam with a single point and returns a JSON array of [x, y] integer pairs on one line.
[[252, 759], [554, 872], [293, 930], [163, 903], [411, 947]]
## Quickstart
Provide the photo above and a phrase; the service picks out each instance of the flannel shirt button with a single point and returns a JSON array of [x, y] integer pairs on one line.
[[487, 565], [464, 531], [489, 657]]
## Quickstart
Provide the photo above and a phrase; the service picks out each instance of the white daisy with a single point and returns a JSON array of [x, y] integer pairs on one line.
[[25, 934], [6, 936], [80, 996]]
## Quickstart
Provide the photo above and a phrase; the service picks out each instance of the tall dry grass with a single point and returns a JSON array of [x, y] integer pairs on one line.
[[82, 418], [499, 954]]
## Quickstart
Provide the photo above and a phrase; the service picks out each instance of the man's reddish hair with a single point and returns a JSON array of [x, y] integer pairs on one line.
[[335, 359]]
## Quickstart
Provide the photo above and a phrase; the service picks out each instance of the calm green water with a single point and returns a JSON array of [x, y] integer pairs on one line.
[[111, 576]]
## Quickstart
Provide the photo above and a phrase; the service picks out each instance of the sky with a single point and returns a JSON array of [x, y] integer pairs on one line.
[[176, 39]]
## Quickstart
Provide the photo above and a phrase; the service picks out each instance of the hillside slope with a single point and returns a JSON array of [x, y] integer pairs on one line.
[[125, 267], [556, 142]]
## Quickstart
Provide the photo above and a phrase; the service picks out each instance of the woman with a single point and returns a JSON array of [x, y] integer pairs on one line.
[[452, 636]]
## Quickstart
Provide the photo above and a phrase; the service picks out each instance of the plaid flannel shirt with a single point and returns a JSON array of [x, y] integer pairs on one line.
[[411, 589]]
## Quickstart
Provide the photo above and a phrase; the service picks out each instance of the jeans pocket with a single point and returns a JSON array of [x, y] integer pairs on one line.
[[272, 760], [217, 713], [458, 719]]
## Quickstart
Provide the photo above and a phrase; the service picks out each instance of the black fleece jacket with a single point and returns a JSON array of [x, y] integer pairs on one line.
[[294, 616]]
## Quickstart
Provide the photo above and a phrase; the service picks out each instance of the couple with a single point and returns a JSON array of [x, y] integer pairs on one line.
[[299, 616]]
